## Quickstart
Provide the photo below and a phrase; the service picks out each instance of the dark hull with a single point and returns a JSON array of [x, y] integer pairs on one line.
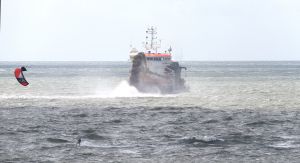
[[146, 81]]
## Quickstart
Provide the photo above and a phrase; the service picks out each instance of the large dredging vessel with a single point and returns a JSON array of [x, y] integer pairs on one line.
[[155, 72]]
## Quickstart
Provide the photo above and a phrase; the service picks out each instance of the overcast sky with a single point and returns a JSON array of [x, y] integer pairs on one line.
[[87, 30]]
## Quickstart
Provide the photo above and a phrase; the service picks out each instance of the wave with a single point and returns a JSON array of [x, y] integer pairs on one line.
[[95, 144], [94, 136], [67, 97], [204, 139], [285, 145], [56, 140], [126, 90], [47, 97], [123, 90], [290, 137]]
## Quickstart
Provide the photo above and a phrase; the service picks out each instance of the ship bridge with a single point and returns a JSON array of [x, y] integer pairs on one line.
[[158, 56]]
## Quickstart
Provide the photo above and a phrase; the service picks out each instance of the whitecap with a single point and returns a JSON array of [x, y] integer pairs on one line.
[[286, 145]]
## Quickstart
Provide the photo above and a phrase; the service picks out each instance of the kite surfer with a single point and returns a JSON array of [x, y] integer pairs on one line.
[[78, 142]]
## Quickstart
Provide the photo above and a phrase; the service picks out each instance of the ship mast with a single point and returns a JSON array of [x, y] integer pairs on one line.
[[153, 43], [0, 15]]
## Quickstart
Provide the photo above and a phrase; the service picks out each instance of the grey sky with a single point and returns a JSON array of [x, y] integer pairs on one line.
[[196, 29]]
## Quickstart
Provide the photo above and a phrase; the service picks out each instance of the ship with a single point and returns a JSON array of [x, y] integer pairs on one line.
[[153, 71]]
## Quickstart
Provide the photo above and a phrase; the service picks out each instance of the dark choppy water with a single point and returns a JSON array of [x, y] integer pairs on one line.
[[234, 112]]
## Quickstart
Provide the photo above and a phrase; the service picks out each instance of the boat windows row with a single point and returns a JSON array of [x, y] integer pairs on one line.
[[158, 59]]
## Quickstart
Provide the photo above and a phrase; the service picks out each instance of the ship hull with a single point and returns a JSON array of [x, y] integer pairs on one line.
[[147, 81]]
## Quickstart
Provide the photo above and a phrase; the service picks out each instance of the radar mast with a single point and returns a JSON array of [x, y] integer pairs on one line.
[[154, 44]]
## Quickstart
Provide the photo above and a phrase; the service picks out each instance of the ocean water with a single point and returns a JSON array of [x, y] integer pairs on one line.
[[233, 112]]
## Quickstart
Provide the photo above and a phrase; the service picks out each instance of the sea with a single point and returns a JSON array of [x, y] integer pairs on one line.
[[232, 112]]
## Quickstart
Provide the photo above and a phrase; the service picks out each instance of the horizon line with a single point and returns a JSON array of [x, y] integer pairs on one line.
[[130, 61]]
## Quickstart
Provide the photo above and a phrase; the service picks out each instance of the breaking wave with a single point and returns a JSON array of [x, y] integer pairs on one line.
[[126, 90]]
